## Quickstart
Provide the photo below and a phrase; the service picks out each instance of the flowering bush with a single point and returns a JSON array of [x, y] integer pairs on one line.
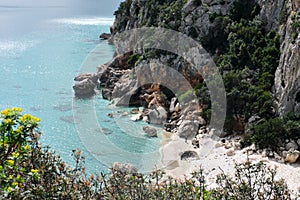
[[30, 171]]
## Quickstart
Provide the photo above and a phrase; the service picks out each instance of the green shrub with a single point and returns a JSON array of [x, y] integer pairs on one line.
[[274, 132], [30, 171], [134, 58], [251, 181]]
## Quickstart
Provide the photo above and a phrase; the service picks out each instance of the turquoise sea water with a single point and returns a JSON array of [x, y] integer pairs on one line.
[[36, 73]]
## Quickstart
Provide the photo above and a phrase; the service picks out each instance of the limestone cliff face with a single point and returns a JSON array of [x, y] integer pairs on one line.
[[287, 77], [193, 17]]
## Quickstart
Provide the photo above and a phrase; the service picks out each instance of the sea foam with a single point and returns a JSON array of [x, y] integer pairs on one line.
[[11, 47], [85, 21]]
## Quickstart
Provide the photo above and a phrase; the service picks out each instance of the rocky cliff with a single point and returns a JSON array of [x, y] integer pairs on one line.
[[194, 18], [273, 76], [287, 77]]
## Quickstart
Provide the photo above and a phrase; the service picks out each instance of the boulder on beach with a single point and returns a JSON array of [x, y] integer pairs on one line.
[[292, 156], [189, 155], [173, 104], [158, 115], [188, 129]]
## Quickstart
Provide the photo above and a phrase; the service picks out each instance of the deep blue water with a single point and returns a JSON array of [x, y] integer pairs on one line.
[[37, 68]]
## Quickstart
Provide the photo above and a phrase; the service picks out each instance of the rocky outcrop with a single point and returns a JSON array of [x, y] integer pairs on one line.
[[139, 78], [105, 36]]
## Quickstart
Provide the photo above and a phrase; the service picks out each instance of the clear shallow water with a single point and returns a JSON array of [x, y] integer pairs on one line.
[[36, 73]]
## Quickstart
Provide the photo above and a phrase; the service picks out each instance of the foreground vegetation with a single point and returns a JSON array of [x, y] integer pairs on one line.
[[31, 171]]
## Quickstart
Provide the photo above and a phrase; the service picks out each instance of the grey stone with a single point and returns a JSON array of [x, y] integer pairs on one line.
[[84, 88], [188, 129], [173, 104], [291, 145], [124, 168], [158, 115], [151, 132]]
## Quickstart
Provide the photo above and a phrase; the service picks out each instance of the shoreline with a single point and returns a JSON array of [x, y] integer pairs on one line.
[[218, 162]]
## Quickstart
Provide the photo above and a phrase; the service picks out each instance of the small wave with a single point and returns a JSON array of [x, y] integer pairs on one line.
[[13, 47], [85, 21]]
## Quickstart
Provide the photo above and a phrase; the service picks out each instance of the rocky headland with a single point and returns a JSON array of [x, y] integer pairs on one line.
[[189, 136]]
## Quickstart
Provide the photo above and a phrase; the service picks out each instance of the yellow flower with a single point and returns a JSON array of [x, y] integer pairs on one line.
[[5, 112], [27, 147], [20, 129], [10, 162], [15, 154], [10, 177], [34, 171], [17, 109], [7, 121], [27, 117], [9, 189], [14, 184], [36, 119], [18, 176]]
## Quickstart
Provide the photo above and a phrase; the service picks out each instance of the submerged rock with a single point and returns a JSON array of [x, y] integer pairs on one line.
[[69, 119], [151, 132], [63, 107]]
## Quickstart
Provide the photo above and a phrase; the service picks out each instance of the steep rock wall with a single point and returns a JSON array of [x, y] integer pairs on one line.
[[287, 77], [193, 18]]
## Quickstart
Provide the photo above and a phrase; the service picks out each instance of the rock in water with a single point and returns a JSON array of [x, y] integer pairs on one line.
[[107, 94], [84, 76], [136, 117], [124, 168], [151, 132], [105, 36], [84, 89], [85, 85], [135, 111]]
